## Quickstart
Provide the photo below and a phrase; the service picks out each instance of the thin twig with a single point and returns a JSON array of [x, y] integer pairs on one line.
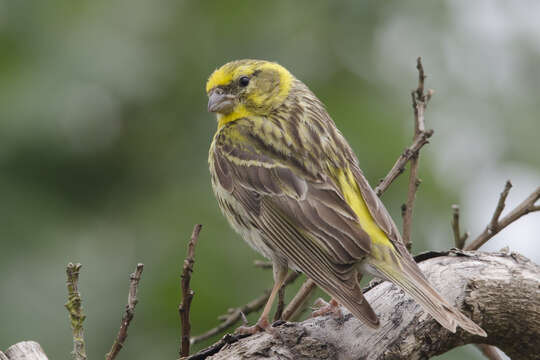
[[134, 279], [234, 315], [419, 104], [299, 300], [494, 227], [399, 165], [74, 307], [407, 213], [187, 293], [500, 206], [459, 240], [263, 264], [281, 304]]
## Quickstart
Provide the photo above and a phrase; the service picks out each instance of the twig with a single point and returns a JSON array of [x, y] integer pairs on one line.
[[235, 314], [500, 206], [187, 293], [496, 224], [263, 264], [408, 207], [280, 305], [459, 240], [419, 103], [299, 299], [399, 165], [134, 279], [74, 307]]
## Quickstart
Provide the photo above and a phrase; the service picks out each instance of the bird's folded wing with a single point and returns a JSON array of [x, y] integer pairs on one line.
[[299, 213], [256, 173]]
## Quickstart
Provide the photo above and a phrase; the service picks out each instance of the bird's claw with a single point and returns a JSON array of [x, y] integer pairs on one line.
[[324, 308], [260, 326]]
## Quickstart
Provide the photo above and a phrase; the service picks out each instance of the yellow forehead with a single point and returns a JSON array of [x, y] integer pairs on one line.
[[235, 69]]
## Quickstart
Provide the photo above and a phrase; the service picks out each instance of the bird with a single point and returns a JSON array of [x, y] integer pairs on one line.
[[290, 184]]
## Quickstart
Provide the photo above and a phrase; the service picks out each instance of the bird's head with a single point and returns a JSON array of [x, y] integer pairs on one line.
[[247, 87]]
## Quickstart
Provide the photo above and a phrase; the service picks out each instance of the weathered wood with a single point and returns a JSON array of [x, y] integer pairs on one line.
[[24, 350], [499, 291]]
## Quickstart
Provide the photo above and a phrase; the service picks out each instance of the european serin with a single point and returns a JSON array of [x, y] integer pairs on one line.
[[289, 183]]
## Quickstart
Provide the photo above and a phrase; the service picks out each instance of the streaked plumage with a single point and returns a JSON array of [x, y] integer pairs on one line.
[[289, 183]]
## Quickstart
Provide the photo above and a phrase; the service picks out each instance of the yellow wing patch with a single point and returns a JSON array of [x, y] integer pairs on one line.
[[354, 198]]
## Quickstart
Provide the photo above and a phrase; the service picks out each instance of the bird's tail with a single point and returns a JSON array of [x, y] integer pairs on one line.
[[407, 275]]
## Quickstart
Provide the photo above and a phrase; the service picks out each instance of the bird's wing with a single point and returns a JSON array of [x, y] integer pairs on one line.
[[298, 209]]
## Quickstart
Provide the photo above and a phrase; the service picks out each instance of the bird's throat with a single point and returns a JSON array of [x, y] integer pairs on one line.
[[238, 112]]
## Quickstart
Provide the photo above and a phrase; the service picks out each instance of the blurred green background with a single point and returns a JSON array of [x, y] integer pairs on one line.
[[104, 137]]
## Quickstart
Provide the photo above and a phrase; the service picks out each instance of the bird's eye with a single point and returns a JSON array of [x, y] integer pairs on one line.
[[244, 81]]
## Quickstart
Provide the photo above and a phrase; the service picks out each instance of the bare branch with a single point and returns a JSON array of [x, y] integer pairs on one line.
[[419, 103], [74, 307], [494, 227], [134, 279], [280, 304], [24, 350], [299, 300], [233, 317], [494, 223], [187, 293], [399, 165], [262, 264], [414, 182], [459, 240], [489, 288], [235, 314]]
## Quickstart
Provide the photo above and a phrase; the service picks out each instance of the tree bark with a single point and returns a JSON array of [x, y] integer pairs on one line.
[[499, 291], [24, 350]]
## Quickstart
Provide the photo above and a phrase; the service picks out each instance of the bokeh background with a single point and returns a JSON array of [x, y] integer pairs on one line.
[[104, 137]]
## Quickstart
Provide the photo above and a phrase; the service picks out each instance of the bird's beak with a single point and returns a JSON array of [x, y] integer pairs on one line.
[[219, 102]]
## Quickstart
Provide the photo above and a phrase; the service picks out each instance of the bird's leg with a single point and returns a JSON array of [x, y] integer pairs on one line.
[[325, 308], [280, 271]]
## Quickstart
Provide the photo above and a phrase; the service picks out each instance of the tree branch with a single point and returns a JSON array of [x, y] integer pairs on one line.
[[24, 350], [187, 293], [488, 351], [419, 104], [74, 307], [399, 165], [301, 297], [498, 291], [134, 279], [235, 314], [496, 224], [459, 240]]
